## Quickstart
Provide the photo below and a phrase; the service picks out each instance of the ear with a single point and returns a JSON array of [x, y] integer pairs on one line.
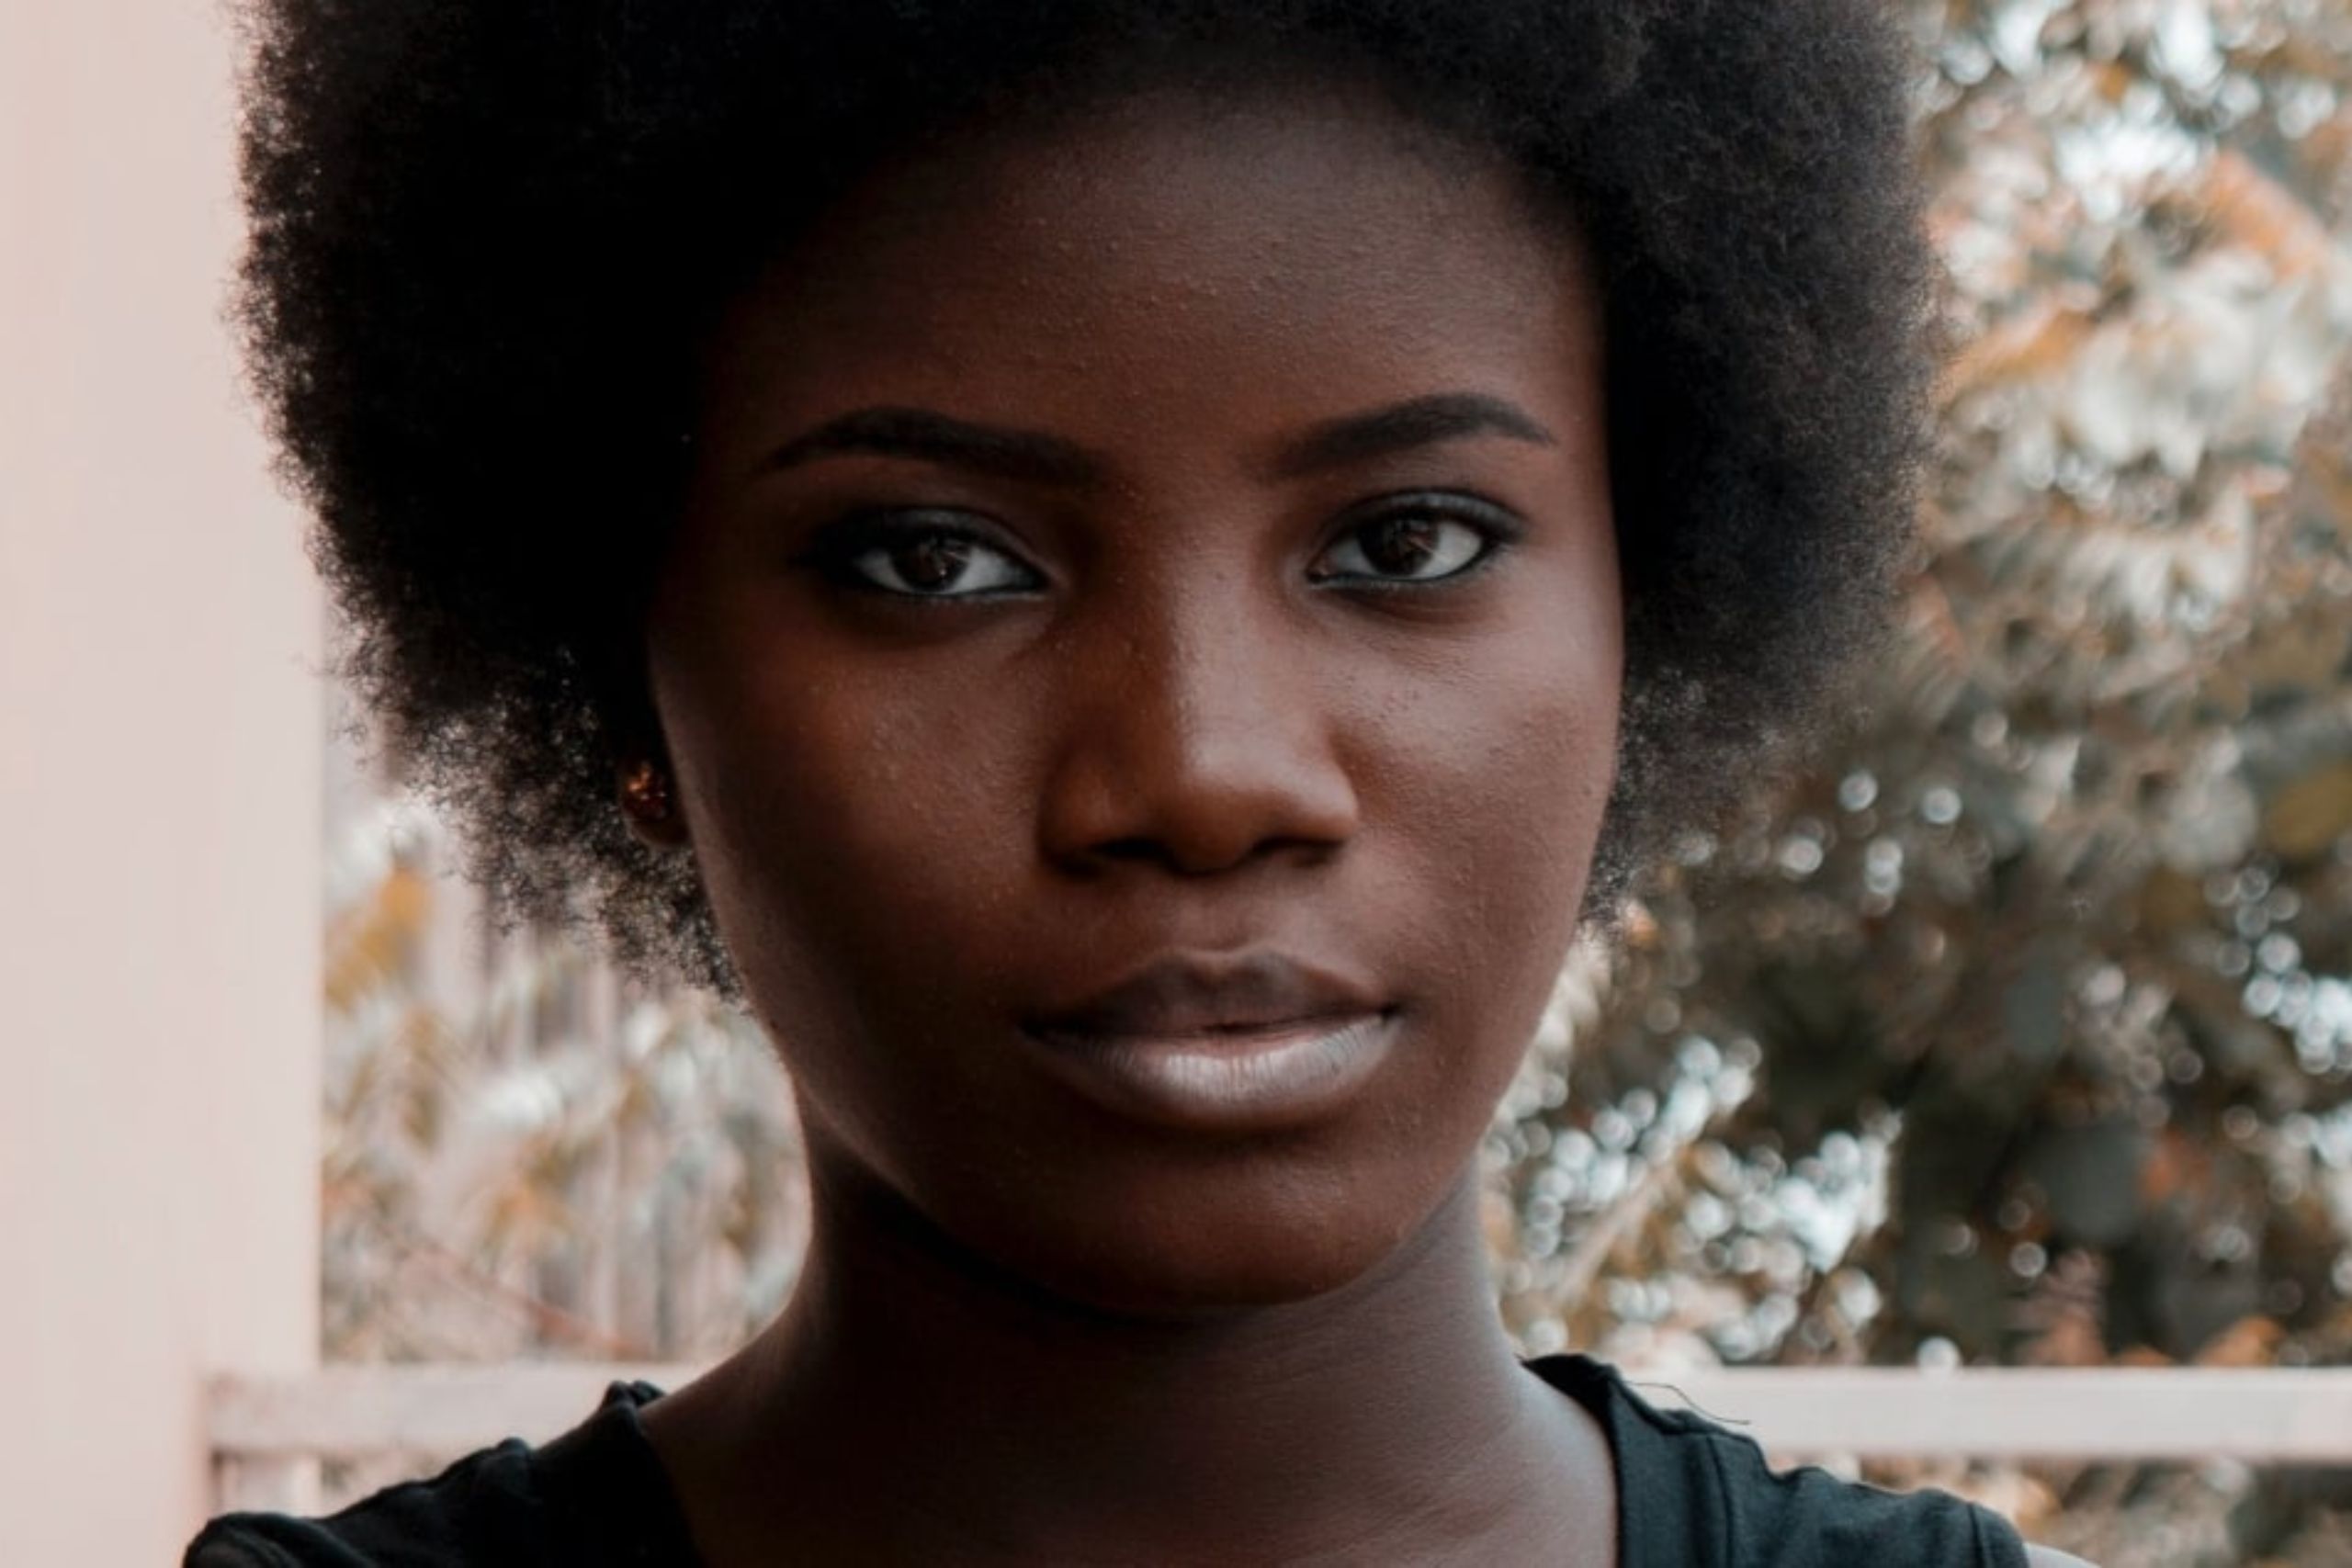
[[649, 803]]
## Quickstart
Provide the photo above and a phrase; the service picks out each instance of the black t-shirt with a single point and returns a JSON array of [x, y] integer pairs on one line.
[[1691, 1494]]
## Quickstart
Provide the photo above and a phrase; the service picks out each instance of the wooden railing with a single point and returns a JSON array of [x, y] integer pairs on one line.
[[268, 1434]]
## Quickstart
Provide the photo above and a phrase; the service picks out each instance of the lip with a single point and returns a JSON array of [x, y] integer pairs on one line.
[[1188, 994], [1225, 1044]]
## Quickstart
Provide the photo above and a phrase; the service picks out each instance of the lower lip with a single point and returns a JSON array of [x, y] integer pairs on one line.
[[1232, 1082]]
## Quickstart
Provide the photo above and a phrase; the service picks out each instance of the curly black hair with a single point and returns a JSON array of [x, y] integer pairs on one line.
[[487, 240]]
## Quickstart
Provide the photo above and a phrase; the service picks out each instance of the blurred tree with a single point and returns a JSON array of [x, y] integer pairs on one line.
[[526, 1155], [2019, 1027]]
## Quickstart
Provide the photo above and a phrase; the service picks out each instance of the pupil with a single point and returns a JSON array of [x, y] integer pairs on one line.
[[1408, 541], [937, 561]]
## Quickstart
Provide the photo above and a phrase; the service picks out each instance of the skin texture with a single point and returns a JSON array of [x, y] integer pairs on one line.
[[1030, 1329]]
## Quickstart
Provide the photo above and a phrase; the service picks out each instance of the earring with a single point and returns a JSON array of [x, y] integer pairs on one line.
[[645, 792]]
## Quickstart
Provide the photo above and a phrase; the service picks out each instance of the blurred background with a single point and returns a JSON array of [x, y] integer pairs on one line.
[[2016, 1030]]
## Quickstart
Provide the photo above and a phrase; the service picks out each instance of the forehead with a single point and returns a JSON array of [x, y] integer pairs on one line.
[[1166, 254]]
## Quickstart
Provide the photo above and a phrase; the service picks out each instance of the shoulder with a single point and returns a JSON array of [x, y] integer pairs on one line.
[[476, 1507], [594, 1491], [1805, 1516], [1756, 1516]]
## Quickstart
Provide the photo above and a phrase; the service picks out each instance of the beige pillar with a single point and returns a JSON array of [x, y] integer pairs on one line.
[[159, 797]]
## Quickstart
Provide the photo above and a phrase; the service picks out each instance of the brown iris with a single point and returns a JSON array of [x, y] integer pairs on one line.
[[933, 561], [1401, 545]]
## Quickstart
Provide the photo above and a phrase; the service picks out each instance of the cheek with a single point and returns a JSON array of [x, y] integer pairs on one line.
[[1508, 808], [840, 819], [1503, 819]]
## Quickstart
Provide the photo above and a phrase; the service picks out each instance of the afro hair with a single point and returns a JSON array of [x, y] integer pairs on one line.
[[487, 240]]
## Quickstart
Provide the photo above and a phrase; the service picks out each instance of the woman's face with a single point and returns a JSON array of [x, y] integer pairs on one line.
[[1170, 545]]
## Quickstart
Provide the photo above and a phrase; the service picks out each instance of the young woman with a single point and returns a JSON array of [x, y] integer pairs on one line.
[[1125, 576]]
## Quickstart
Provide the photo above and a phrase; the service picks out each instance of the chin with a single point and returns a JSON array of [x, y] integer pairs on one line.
[[1209, 1246]]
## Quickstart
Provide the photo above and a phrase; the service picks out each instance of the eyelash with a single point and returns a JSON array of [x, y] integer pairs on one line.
[[862, 533]]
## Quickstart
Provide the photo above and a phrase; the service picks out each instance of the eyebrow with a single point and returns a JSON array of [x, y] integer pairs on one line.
[[1036, 458], [936, 438], [1401, 427]]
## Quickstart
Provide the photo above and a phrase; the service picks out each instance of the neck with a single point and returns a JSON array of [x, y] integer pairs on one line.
[[909, 1390]]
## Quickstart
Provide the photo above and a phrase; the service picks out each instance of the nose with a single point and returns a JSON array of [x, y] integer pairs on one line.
[[1198, 734]]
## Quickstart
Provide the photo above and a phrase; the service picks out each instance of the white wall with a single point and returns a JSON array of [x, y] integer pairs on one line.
[[159, 795]]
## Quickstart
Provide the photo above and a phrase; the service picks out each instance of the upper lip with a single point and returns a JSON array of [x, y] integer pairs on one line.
[[1196, 993]]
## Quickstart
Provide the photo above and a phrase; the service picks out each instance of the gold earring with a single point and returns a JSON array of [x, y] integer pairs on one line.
[[645, 793]]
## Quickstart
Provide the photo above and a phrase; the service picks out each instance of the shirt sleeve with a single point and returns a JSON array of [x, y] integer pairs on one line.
[[1806, 1518], [266, 1540], [479, 1510], [2003, 1546]]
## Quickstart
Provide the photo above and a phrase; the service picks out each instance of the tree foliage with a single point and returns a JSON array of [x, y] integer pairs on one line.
[[2018, 1027]]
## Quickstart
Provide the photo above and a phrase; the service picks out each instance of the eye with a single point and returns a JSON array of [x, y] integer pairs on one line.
[[920, 555], [1418, 539]]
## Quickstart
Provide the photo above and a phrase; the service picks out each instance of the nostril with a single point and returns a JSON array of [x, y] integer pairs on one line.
[[1131, 788]]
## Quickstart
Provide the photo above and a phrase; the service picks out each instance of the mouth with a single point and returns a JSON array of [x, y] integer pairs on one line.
[[1220, 1045], [1226, 1081], [1205, 994]]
